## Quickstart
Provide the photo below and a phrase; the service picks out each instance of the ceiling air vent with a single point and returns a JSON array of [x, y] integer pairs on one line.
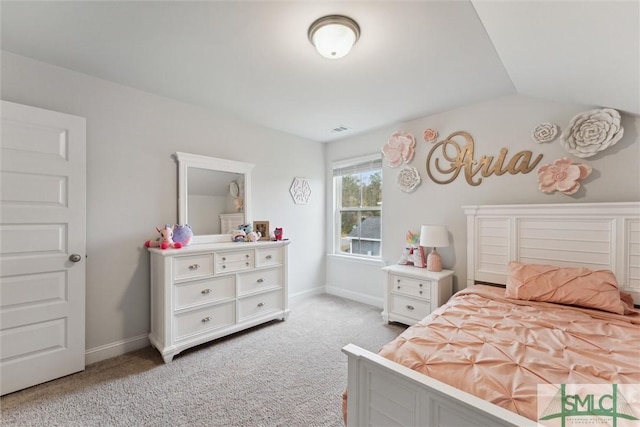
[[339, 129]]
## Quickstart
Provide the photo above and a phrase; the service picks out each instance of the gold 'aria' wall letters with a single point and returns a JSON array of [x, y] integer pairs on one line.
[[462, 158]]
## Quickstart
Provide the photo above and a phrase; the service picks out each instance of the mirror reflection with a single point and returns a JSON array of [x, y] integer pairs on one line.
[[215, 200], [214, 196]]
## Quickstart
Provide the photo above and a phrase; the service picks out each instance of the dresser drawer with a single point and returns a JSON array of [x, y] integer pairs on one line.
[[409, 307], [204, 319], [204, 291], [260, 304], [234, 261], [411, 287], [269, 256], [260, 280], [192, 267]]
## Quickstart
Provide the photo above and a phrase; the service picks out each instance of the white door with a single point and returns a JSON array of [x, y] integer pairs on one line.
[[42, 245]]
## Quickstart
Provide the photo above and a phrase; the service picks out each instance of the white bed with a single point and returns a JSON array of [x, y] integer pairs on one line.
[[594, 235]]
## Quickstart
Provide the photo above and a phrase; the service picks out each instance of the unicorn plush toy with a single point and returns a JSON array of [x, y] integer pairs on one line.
[[165, 241]]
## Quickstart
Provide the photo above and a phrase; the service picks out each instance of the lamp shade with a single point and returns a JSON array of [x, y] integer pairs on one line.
[[334, 35], [434, 236]]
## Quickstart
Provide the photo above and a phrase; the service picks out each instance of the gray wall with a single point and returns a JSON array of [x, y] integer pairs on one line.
[[505, 122], [131, 186]]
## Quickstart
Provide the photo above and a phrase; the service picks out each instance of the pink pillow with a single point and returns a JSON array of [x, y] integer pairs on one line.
[[563, 285]]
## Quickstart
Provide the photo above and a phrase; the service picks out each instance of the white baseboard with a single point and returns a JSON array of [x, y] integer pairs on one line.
[[114, 349], [356, 296], [309, 292]]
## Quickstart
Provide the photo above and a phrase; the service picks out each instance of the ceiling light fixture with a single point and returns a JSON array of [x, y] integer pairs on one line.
[[334, 35]]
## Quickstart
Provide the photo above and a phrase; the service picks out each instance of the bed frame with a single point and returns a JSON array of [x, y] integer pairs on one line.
[[594, 235]]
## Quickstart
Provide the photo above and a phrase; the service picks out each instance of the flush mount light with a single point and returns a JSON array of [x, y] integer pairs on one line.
[[334, 35]]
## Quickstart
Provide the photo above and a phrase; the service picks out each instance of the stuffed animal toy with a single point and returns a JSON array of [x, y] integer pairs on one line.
[[165, 241], [278, 233], [182, 234], [245, 233], [412, 254], [254, 236], [247, 228], [239, 235]]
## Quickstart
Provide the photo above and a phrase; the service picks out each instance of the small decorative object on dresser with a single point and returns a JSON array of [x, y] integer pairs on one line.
[[203, 292], [165, 240], [413, 293], [263, 228]]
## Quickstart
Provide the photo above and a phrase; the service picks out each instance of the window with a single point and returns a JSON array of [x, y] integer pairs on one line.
[[357, 186]]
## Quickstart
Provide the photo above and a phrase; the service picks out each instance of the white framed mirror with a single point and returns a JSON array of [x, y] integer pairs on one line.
[[214, 196]]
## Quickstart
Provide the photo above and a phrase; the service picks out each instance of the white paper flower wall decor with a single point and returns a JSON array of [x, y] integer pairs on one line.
[[399, 148], [408, 179], [591, 132], [563, 175], [544, 132]]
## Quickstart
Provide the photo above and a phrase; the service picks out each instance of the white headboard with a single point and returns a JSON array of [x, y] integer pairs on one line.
[[593, 235]]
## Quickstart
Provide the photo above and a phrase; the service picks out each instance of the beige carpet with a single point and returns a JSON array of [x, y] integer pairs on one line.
[[280, 374]]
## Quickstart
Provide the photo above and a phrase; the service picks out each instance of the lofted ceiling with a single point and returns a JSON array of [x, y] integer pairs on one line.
[[253, 60]]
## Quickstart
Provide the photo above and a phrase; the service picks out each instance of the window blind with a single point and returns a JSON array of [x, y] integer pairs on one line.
[[361, 166]]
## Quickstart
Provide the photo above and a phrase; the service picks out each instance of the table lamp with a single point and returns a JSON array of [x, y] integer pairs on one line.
[[432, 236]]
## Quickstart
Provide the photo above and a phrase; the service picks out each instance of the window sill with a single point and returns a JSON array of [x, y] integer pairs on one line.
[[360, 260]]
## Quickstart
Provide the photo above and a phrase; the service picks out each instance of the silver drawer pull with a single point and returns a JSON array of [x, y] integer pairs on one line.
[[410, 307], [260, 304], [205, 291], [224, 258], [194, 266], [206, 319], [268, 257], [224, 266], [420, 292], [247, 264], [398, 280], [260, 280], [420, 284], [246, 256], [398, 287]]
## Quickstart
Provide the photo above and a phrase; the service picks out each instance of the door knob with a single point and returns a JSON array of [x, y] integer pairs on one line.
[[75, 257]]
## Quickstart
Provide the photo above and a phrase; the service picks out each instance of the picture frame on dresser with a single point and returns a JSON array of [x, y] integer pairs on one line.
[[263, 228]]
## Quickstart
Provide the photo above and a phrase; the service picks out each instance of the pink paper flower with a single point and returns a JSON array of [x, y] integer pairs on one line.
[[399, 148], [430, 135], [562, 176]]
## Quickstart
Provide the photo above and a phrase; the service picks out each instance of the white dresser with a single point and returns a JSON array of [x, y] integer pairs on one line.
[[203, 292], [411, 293]]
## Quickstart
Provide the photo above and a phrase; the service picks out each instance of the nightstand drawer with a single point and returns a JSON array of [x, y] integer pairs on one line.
[[204, 291], [409, 307], [411, 287], [212, 317], [193, 267]]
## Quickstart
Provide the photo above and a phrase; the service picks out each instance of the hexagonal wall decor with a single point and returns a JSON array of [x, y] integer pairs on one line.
[[300, 191]]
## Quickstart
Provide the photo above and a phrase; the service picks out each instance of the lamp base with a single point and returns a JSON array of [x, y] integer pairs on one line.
[[434, 262]]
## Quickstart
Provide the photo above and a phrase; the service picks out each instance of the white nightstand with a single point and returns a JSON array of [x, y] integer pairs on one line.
[[411, 293]]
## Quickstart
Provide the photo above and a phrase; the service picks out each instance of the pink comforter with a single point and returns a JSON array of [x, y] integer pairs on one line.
[[499, 349]]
